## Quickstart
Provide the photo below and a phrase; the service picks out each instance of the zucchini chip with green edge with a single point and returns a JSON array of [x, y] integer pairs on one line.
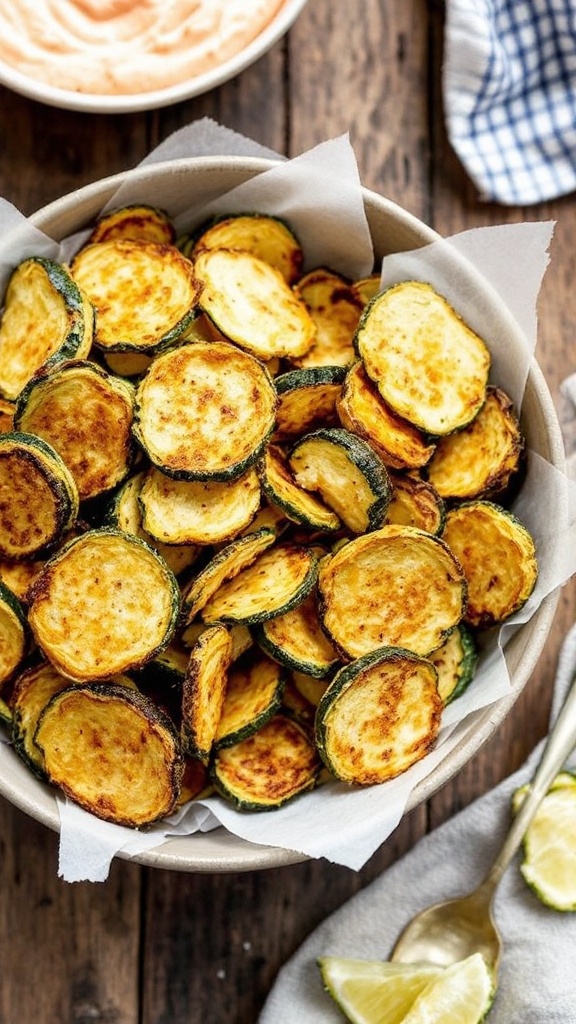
[[307, 400], [86, 414], [362, 410], [455, 662], [39, 496], [498, 556], [198, 511], [296, 639], [335, 309], [415, 502], [428, 365], [46, 318], [204, 689], [205, 411], [268, 769], [481, 460], [395, 587], [136, 221], [280, 578], [251, 303], [268, 238], [348, 475], [379, 716], [13, 634], [32, 691], [253, 695], [281, 489], [112, 751], [224, 565], [145, 293], [104, 603], [241, 637]]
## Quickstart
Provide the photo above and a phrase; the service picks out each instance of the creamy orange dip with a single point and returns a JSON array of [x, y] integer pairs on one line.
[[124, 47]]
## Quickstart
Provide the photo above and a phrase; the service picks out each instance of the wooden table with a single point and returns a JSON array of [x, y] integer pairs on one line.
[[160, 947]]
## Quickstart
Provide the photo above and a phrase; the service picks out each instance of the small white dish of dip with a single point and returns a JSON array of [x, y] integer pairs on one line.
[[120, 56]]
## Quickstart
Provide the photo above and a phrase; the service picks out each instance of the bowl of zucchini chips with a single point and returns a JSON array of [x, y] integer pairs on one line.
[[258, 518]]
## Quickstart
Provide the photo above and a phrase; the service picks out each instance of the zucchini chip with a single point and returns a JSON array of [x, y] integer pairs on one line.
[[279, 579], [6, 416], [307, 400], [347, 474], [204, 689], [362, 410], [205, 411], [428, 365], [311, 688], [395, 587], [104, 603], [367, 287], [415, 503], [136, 221], [250, 302], [380, 715], [253, 695], [498, 556], [145, 294], [195, 781], [296, 639], [281, 489], [269, 768], [295, 706], [335, 309], [46, 319], [455, 663], [240, 635], [127, 364], [197, 511], [112, 751], [268, 238], [19, 576], [225, 565], [13, 634], [32, 691], [481, 460], [86, 415], [39, 496]]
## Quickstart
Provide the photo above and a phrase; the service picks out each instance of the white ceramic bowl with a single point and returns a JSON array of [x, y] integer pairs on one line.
[[170, 185], [106, 104]]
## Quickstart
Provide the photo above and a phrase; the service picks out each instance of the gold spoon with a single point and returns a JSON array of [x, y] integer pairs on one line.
[[452, 930]]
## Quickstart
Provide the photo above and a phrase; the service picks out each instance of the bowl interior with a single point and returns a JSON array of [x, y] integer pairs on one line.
[[170, 186]]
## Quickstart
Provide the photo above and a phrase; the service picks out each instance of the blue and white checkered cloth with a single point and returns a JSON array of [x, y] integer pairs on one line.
[[509, 85]]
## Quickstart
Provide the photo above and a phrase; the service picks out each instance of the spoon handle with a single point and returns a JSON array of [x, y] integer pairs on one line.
[[559, 744]]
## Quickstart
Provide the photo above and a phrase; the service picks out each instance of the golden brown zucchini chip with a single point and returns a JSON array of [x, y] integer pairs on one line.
[[250, 302], [394, 587], [136, 221], [253, 695], [380, 715], [279, 578], [13, 634], [32, 691], [86, 414], [481, 460], [498, 556], [104, 603], [428, 365], [296, 639], [269, 768], [205, 411], [335, 309], [241, 637], [19, 576], [281, 489], [367, 287], [198, 511], [6, 416], [415, 502], [455, 662], [145, 294], [225, 565], [297, 707], [307, 400], [311, 688], [112, 751], [362, 410], [195, 781], [348, 475], [39, 496], [204, 689], [127, 364], [268, 238], [46, 318]]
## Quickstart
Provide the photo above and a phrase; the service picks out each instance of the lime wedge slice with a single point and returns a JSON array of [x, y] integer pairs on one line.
[[462, 994], [375, 991], [549, 865]]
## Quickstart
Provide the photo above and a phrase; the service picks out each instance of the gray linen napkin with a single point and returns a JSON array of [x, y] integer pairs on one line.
[[537, 983]]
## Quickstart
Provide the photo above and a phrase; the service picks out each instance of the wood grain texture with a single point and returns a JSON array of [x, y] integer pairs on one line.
[[160, 947]]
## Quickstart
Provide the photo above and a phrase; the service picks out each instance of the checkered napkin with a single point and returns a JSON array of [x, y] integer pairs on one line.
[[509, 87]]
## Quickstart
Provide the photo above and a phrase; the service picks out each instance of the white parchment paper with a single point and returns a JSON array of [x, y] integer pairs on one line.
[[319, 194]]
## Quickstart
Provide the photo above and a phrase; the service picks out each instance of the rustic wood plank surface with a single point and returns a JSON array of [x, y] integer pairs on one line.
[[160, 947]]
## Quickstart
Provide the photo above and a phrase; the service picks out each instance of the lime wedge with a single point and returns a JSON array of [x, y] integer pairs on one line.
[[564, 778], [549, 865], [375, 991], [462, 994]]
